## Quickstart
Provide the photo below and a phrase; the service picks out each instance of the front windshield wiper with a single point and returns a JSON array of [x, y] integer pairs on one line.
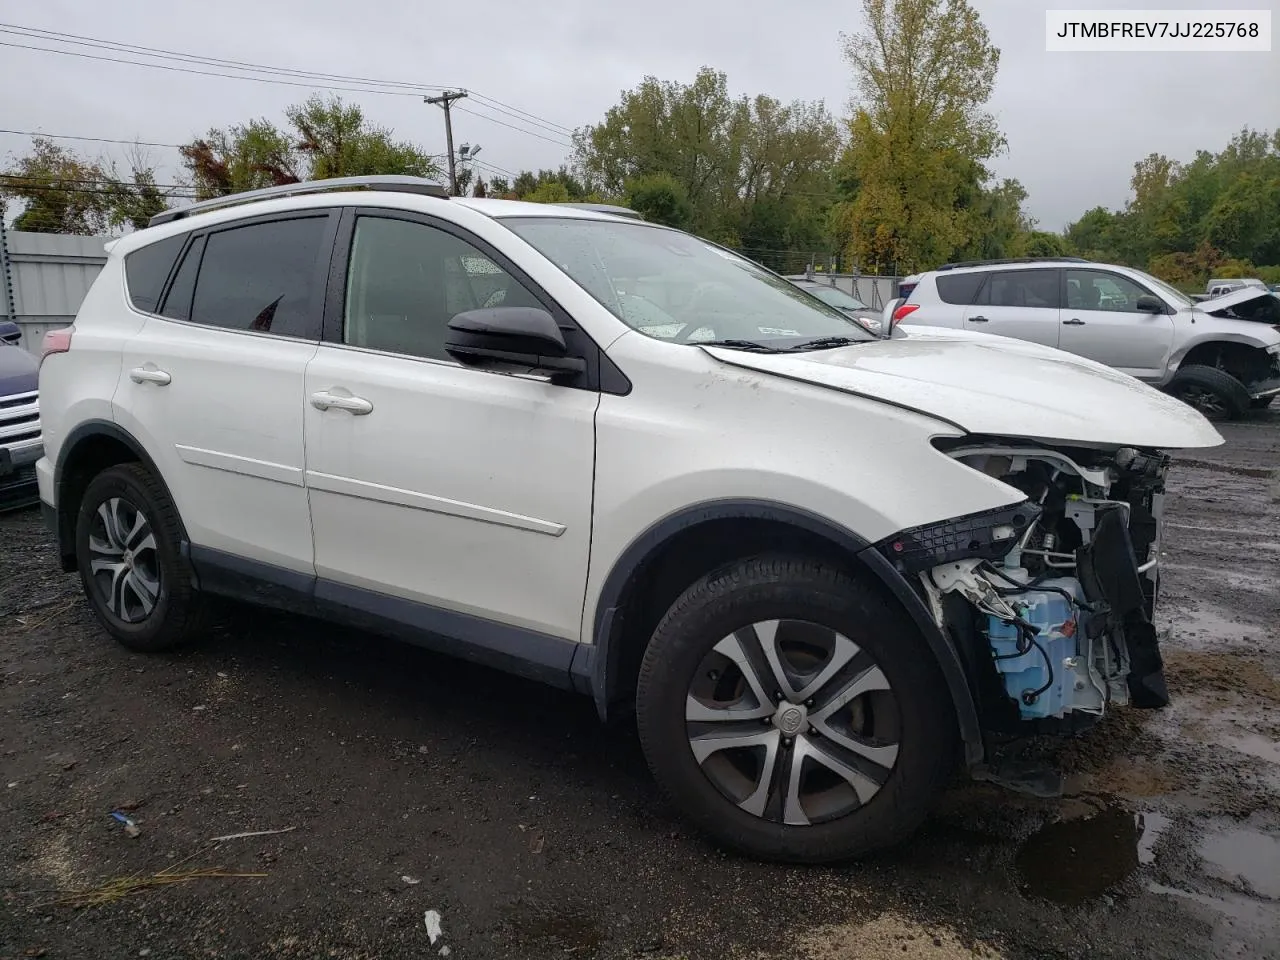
[[753, 345], [824, 343]]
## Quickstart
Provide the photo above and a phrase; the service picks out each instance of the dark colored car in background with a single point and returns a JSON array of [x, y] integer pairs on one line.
[[866, 316], [20, 442]]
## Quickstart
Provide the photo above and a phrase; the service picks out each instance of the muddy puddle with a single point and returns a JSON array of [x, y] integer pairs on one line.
[[1243, 858], [1071, 861], [1205, 628]]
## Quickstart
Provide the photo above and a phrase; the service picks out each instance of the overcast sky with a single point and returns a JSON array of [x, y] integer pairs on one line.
[[1075, 123]]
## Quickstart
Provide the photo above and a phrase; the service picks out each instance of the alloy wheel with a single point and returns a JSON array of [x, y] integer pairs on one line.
[[124, 565], [792, 722], [1206, 401]]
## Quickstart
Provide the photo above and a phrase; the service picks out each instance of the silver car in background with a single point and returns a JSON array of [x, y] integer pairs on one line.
[[1222, 356]]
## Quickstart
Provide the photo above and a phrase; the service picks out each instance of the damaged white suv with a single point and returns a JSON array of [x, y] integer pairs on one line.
[[823, 567]]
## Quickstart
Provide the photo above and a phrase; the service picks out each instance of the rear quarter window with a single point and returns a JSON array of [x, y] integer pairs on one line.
[[960, 288], [146, 270]]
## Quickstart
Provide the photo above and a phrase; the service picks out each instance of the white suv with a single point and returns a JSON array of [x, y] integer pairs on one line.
[[1222, 356], [821, 566]]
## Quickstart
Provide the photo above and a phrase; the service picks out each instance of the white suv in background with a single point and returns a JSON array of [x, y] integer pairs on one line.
[[1221, 356], [821, 566]]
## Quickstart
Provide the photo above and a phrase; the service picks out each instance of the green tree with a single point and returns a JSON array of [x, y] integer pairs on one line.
[[920, 138], [1039, 243], [242, 157], [660, 198], [62, 192], [1218, 212], [551, 191], [323, 139], [728, 155], [338, 141]]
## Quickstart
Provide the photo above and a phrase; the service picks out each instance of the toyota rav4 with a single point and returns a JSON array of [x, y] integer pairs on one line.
[[822, 567], [1222, 356]]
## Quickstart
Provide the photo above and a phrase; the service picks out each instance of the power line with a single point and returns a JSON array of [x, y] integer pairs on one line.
[[205, 73], [37, 33], [503, 123], [402, 88], [554, 129], [68, 136], [532, 116]]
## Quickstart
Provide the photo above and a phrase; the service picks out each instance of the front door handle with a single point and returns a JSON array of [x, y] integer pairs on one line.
[[324, 400], [150, 375], [1073, 322], [978, 320]]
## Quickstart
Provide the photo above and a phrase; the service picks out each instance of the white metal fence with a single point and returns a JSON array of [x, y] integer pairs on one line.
[[43, 279]]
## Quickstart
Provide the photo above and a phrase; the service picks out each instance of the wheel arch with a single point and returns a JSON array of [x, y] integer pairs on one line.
[[1216, 348], [672, 553], [90, 448]]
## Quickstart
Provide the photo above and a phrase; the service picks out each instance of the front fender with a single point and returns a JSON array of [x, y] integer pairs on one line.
[[604, 664], [1262, 339]]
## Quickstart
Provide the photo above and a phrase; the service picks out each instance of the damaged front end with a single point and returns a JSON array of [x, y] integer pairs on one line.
[[1049, 602]]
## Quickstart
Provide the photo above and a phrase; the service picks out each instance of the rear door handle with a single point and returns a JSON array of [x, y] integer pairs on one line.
[[1073, 322], [978, 320], [324, 400], [150, 375]]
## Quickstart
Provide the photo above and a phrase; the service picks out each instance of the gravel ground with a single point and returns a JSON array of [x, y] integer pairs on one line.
[[409, 783]]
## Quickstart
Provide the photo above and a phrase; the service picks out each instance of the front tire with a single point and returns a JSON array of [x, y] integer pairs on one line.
[[128, 552], [793, 713], [1215, 393]]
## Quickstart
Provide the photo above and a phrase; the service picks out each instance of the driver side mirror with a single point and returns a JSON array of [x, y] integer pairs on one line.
[[10, 332], [497, 337], [1149, 304]]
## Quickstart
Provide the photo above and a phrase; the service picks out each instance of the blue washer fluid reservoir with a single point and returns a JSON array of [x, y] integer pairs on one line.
[[1054, 617]]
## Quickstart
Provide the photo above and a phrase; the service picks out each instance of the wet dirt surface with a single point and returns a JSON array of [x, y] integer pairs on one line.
[[415, 783]]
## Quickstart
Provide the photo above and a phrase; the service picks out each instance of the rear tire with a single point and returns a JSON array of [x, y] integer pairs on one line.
[[128, 552], [883, 713], [1215, 393]]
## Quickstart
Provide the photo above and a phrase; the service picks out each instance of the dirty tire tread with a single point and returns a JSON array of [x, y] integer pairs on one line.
[[688, 631], [1230, 390], [181, 615]]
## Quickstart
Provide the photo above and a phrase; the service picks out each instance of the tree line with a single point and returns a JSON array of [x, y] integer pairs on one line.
[[901, 184]]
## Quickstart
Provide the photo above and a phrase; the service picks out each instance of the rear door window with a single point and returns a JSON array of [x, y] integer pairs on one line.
[[1034, 289], [263, 277], [960, 288], [177, 302], [146, 270]]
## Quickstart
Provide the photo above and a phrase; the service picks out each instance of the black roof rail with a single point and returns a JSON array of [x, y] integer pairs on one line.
[[612, 208], [392, 184], [989, 263]]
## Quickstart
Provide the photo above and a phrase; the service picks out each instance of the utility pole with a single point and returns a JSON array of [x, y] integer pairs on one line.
[[444, 101]]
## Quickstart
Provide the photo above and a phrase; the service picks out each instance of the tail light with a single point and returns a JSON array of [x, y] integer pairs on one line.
[[56, 341], [904, 311]]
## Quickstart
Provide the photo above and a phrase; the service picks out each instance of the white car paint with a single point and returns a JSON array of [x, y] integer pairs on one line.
[[463, 489], [998, 386], [510, 499]]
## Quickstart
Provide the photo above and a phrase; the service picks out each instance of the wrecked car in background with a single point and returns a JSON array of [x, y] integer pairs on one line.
[[1221, 356], [822, 566]]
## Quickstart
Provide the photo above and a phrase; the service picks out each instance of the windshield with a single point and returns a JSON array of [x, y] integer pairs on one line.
[[673, 286], [1172, 293], [835, 296]]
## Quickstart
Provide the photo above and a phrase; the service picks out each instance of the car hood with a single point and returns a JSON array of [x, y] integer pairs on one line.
[[19, 371], [1234, 298], [992, 385]]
